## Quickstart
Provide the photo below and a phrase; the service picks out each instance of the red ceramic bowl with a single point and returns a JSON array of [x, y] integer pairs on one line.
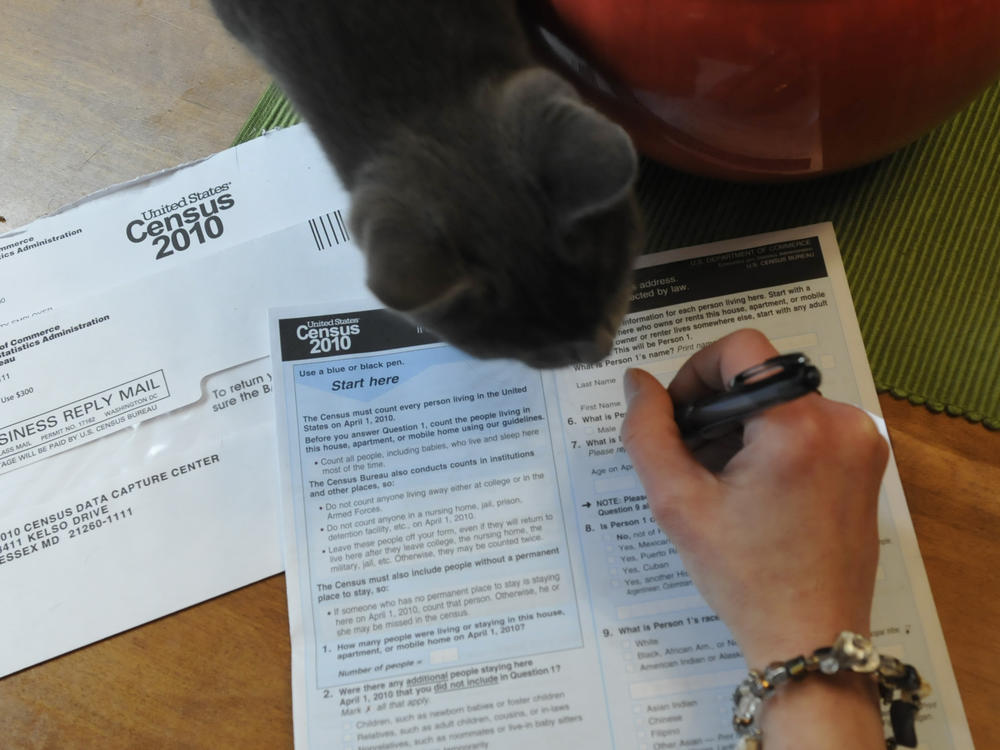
[[772, 89]]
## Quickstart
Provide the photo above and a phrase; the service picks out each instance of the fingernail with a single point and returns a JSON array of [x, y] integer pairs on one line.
[[631, 383]]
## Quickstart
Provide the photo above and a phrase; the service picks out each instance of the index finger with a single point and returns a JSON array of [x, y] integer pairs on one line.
[[670, 475]]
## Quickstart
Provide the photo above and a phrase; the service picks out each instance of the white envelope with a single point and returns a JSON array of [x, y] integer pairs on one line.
[[137, 452], [245, 192]]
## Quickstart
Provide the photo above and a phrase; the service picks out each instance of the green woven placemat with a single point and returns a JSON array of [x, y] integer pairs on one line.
[[919, 232]]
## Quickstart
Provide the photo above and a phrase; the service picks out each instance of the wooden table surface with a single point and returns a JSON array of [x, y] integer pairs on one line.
[[94, 92]]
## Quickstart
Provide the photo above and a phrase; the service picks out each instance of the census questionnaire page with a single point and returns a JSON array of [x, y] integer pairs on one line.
[[470, 559]]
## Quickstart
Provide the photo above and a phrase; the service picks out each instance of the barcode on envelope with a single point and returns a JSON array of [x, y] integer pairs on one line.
[[329, 230]]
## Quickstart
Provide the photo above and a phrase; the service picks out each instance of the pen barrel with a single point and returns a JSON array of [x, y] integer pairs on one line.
[[716, 415]]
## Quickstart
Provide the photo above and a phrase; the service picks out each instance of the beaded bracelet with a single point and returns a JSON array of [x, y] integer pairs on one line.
[[899, 686]]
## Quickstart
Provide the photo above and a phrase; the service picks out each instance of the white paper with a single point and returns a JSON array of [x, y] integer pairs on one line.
[[137, 469], [470, 559], [237, 195]]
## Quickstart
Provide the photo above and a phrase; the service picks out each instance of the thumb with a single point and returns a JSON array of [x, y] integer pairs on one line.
[[668, 471]]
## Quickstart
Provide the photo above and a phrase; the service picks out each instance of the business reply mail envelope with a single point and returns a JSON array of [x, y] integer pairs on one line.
[[137, 454]]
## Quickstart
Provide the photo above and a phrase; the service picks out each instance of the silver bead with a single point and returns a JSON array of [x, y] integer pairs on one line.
[[757, 684], [746, 708], [776, 674], [857, 651], [829, 664]]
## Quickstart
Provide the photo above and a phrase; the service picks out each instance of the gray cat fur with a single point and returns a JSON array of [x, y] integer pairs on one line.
[[493, 207]]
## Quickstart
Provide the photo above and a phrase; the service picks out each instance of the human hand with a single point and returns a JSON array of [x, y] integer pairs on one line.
[[783, 540]]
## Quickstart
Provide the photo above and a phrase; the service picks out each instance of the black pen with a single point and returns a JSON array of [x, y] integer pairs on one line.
[[776, 381]]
